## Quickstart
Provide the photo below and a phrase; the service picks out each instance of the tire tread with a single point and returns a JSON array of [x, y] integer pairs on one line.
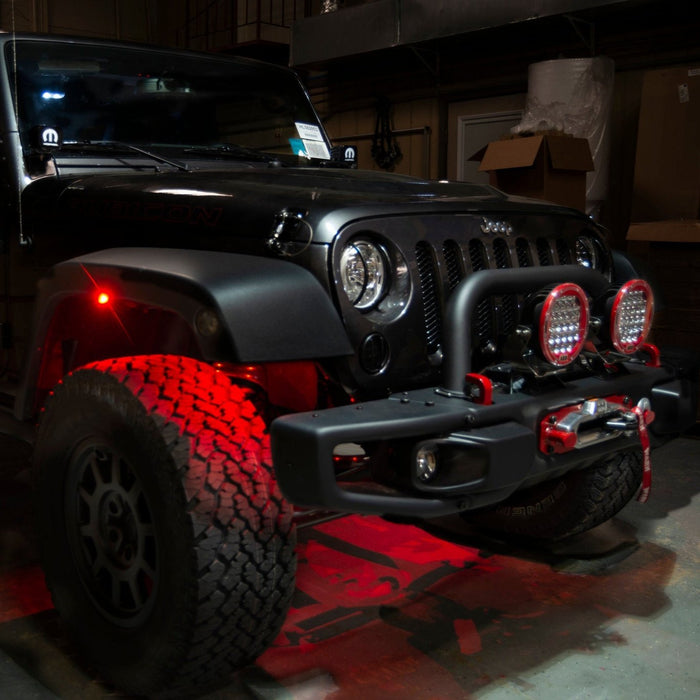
[[243, 561], [564, 507]]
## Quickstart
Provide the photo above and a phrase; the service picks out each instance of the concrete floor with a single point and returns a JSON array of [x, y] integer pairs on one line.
[[396, 611]]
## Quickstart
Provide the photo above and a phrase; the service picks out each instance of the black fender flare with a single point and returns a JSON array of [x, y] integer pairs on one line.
[[269, 310]]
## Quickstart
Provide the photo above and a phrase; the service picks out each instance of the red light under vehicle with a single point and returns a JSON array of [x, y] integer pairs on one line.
[[563, 324], [630, 317]]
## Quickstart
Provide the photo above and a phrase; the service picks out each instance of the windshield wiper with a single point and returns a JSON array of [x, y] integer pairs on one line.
[[120, 145], [234, 151]]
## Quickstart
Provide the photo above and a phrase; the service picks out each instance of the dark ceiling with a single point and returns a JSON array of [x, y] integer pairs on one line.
[[636, 34]]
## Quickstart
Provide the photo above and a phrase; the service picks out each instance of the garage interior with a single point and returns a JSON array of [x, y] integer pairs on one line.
[[401, 610]]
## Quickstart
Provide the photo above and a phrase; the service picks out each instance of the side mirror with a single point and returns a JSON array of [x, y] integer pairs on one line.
[[344, 156]]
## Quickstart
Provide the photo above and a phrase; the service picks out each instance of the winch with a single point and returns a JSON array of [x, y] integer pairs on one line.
[[593, 421]]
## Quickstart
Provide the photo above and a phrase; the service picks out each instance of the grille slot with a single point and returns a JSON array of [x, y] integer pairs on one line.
[[522, 250], [432, 313], [563, 252], [544, 252], [453, 263], [479, 261], [500, 254], [504, 321], [441, 267], [477, 255]]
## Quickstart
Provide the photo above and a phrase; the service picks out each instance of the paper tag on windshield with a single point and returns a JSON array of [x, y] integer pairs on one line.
[[316, 149], [314, 145], [308, 132]]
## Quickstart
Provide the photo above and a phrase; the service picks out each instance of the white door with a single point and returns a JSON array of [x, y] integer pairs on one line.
[[473, 133]]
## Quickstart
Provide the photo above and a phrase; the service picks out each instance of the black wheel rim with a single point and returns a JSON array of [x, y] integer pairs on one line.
[[112, 534]]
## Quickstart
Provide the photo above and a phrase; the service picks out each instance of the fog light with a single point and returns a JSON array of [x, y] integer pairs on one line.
[[207, 322], [426, 463]]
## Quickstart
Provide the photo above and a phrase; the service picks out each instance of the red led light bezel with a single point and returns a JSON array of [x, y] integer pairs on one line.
[[561, 290], [625, 289]]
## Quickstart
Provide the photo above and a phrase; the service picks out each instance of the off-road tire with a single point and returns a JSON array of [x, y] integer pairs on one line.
[[560, 508], [167, 546]]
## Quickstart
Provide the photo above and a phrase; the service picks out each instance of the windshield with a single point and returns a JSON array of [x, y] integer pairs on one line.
[[93, 93]]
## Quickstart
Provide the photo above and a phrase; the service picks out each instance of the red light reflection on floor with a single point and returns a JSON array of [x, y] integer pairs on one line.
[[390, 611], [364, 573], [387, 611], [22, 593]]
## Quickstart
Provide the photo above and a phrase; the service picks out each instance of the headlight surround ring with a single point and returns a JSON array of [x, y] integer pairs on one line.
[[363, 273], [587, 253]]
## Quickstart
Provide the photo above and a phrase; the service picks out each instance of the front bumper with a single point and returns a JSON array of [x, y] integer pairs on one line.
[[491, 449], [498, 444]]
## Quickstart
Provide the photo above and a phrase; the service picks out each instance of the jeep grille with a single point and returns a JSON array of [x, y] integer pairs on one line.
[[442, 267]]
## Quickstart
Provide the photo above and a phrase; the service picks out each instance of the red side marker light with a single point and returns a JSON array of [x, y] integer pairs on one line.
[[103, 298]]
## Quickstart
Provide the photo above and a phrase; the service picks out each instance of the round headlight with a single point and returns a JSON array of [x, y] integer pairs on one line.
[[586, 253], [363, 273]]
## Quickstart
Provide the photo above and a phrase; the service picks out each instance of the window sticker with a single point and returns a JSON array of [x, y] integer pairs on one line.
[[317, 149], [312, 137], [308, 132]]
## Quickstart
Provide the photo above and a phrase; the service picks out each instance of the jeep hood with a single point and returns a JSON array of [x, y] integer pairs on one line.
[[236, 209]]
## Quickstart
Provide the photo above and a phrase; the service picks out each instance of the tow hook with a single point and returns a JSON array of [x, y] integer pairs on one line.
[[592, 422]]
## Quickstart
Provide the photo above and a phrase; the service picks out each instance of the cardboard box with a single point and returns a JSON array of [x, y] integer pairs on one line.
[[670, 254], [667, 165], [677, 328], [546, 166], [672, 231]]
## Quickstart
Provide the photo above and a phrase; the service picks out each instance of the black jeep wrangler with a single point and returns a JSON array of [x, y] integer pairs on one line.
[[209, 320]]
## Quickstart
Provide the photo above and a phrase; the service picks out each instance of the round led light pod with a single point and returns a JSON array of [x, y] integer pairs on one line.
[[563, 324], [630, 316]]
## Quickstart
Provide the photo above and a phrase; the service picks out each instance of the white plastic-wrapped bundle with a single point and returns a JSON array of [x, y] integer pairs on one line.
[[574, 96]]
